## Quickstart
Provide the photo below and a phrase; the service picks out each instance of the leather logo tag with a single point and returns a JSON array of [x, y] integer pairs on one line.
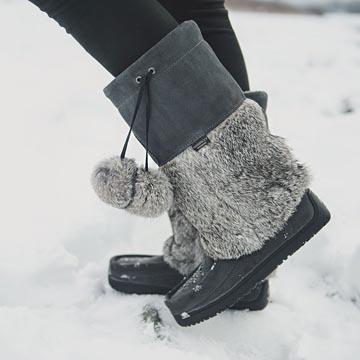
[[199, 144]]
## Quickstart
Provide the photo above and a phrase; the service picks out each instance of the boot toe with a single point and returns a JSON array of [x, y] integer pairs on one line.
[[197, 297]]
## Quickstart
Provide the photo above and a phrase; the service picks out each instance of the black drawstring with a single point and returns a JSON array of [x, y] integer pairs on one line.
[[144, 88], [147, 117]]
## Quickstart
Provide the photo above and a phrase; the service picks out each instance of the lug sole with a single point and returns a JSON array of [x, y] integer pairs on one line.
[[133, 288], [139, 289]]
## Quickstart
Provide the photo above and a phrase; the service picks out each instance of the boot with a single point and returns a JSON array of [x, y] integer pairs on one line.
[[145, 274]]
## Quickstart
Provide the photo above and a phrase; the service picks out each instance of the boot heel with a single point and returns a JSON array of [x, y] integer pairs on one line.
[[322, 215]]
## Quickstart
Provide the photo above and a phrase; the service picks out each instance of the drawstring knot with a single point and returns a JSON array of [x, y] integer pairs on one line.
[[144, 89]]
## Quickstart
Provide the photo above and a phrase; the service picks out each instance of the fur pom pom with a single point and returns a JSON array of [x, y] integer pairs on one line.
[[120, 183], [153, 193], [113, 181]]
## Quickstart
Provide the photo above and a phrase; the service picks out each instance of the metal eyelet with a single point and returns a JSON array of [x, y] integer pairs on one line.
[[151, 70], [138, 79]]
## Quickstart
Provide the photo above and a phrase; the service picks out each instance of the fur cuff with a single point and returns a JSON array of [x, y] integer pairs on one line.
[[240, 189], [182, 251], [183, 257]]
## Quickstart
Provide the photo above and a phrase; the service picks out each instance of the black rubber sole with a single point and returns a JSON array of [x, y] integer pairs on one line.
[[139, 289], [133, 288], [320, 219]]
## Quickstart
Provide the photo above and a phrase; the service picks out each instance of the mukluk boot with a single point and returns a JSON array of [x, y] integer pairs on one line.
[[237, 184], [147, 274]]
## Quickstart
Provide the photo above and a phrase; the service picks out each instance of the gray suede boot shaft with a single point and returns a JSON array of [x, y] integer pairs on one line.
[[191, 93]]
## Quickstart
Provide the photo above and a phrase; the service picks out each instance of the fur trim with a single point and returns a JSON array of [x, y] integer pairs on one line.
[[123, 185], [182, 250], [240, 189], [112, 180]]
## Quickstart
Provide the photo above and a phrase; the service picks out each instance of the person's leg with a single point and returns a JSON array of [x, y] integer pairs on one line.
[[212, 18], [114, 32]]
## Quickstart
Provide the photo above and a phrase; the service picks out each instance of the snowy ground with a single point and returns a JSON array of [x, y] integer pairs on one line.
[[56, 237]]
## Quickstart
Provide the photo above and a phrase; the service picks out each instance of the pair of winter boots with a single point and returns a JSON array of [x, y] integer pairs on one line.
[[238, 200]]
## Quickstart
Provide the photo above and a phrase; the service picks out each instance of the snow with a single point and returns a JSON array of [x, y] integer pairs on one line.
[[185, 315], [56, 236]]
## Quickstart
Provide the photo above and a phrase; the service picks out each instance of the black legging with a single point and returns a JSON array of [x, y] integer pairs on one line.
[[117, 32]]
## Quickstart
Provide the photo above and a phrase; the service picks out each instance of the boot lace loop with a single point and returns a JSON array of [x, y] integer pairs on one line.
[[144, 92]]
